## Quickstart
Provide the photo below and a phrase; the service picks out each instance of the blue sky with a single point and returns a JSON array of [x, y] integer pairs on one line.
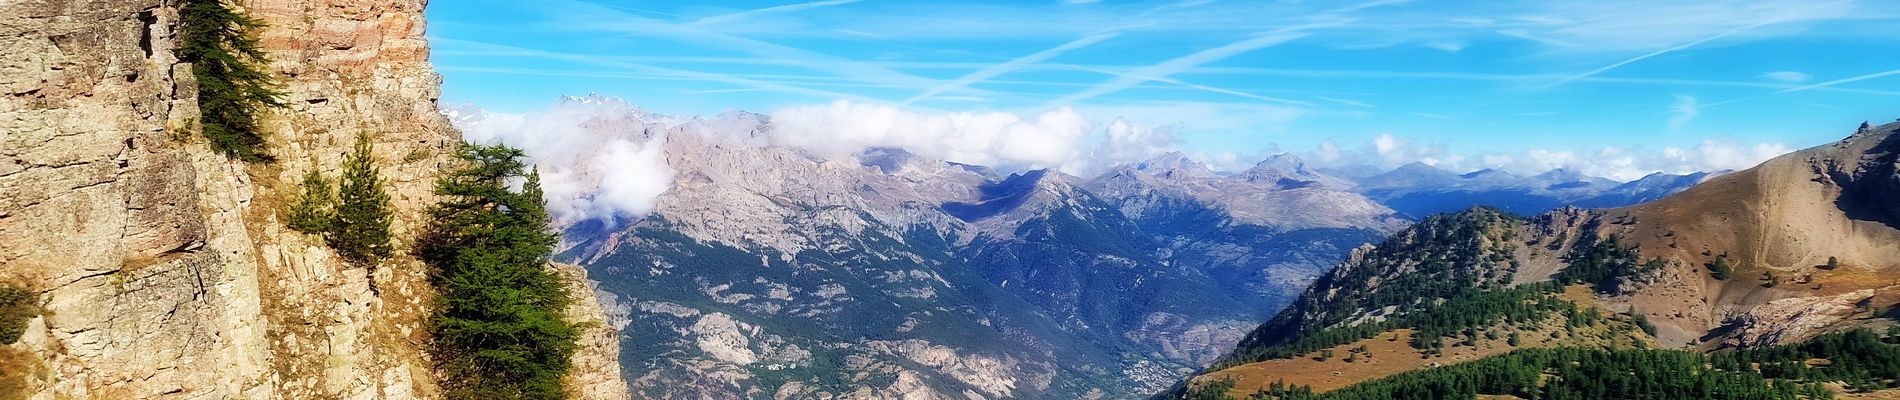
[[1464, 80]]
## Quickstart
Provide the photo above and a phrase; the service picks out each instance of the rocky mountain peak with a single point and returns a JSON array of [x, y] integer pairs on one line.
[[1287, 171], [1416, 170], [1561, 175], [1490, 174], [1174, 164]]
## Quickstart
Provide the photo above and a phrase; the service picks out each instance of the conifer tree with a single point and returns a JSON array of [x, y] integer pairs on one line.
[[361, 229], [315, 209], [17, 305], [1719, 269], [499, 332], [233, 90]]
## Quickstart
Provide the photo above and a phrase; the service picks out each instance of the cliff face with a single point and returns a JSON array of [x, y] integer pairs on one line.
[[164, 270]]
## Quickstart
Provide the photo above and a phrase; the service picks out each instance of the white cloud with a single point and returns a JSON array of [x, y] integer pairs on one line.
[[1788, 76], [596, 159], [1127, 141], [601, 159], [1385, 144], [1449, 46], [1617, 163], [1683, 111], [1063, 139]]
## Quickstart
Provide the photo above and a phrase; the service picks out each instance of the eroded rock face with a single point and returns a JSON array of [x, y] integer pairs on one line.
[[1792, 320], [165, 268], [595, 369]]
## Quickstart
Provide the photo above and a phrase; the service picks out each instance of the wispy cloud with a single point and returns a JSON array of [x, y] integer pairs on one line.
[[1831, 83], [1010, 66], [1683, 111], [724, 18], [1206, 88], [597, 18], [1269, 39], [1788, 76], [1176, 65], [649, 69], [1354, 103], [1663, 51]]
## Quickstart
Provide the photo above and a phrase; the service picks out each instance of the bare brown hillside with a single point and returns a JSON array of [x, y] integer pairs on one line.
[[1781, 221]]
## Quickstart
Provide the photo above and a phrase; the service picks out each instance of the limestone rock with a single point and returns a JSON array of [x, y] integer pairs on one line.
[[595, 372], [165, 268], [1791, 320]]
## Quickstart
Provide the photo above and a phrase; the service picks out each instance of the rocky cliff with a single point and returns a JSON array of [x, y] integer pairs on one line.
[[164, 270]]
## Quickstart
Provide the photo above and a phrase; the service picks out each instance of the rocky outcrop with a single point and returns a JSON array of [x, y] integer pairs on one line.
[[595, 370], [165, 269], [1791, 320]]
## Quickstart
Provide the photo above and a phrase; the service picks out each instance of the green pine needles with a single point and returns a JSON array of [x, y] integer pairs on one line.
[[499, 330], [354, 219], [315, 210], [17, 305], [232, 89], [361, 227]]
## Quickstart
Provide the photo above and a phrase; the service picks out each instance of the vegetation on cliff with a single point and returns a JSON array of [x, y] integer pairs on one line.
[[233, 90], [353, 218], [17, 305], [316, 206], [360, 231], [499, 332]]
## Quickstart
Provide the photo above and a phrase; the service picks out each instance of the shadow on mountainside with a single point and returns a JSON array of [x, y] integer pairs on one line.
[[1871, 191]]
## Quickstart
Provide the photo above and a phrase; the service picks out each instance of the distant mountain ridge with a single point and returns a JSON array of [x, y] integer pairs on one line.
[[1418, 189]]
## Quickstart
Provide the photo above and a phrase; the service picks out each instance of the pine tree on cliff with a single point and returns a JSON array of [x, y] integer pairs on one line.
[[315, 209], [361, 229], [233, 90], [499, 330], [17, 306]]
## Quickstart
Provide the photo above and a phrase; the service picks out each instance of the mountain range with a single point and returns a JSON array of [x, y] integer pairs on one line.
[[1785, 266], [771, 271], [1418, 189]]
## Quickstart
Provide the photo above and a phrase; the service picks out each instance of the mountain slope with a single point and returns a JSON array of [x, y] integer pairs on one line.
[[1739, 261], [1785, 218]]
